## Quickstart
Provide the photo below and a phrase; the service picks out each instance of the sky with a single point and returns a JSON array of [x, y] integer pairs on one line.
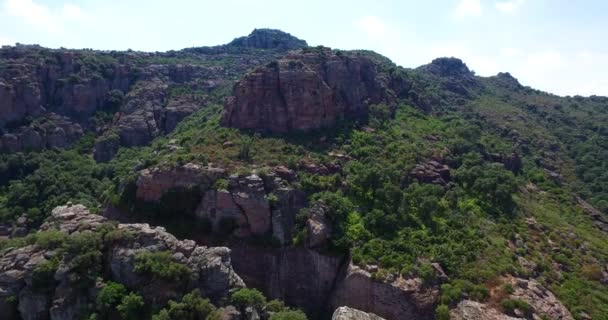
[[559, 46]]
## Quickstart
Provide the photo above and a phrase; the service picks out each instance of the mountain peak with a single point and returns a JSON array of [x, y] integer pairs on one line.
[[269, 39], [448, 67]]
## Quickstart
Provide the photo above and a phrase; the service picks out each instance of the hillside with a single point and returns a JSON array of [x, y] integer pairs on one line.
[[335, 178]]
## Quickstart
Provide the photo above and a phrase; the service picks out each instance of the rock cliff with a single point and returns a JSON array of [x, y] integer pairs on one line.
[[306, 90]]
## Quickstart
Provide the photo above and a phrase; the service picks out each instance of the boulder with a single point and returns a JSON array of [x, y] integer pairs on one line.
[[431, 171], [392, 299], [473, 310], [346, 313], [318, 227]]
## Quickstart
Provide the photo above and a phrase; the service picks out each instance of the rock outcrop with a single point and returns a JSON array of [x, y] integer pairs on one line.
[[454, 77], [247, 205], [473, 310], [599, 219], [269, 39], [211, 270], [346, 313], [392, 299], [431, 171], [54, 132], [306, 90], [152, 184], [541, 300]]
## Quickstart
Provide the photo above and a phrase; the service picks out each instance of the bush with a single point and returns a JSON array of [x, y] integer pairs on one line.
[[192, 307], [160, 265], [110, 296], [442, 312], [131, 306], [289, 315], [51, 239], [84, 254], [275, 306], [509, 306], [246, 297]]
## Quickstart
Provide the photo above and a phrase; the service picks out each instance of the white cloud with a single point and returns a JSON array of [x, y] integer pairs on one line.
[[544, 59], [467, 8], [33, 13], [73, 12], [372, 26], [510, 52], [509, 6], [42, 17]]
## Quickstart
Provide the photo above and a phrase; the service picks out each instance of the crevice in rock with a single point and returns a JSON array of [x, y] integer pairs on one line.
[[241, 209], [340, 275]]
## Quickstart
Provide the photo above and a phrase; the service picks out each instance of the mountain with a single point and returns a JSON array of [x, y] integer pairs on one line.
[[333, 182]]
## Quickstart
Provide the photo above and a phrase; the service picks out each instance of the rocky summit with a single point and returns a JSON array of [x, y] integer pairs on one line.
[[264, 179], [306, 90]]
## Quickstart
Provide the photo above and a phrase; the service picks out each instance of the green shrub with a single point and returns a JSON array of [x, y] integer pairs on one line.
[[131, 307], [51, 239], [110, 296], [83, 251], [442, 312], [248, 298], [192, 307], [289, 315], [275, 306], [509, 306], [160, 265]]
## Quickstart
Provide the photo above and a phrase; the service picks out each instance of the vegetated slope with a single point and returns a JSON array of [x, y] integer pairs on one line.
[[486, 177]]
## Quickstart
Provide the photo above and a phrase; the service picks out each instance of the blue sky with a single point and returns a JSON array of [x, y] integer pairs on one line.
[[555, 45]]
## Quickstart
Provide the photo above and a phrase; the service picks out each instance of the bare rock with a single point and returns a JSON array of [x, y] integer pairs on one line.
[[153, 183], [542, 301], [306, 90], [318, 227], [431, 171], [473, 310], [285, 274], [346, 313], [397, 299]]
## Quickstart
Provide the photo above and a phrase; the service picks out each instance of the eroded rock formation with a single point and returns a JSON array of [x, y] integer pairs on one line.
[[306, 90], [210, 268]]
